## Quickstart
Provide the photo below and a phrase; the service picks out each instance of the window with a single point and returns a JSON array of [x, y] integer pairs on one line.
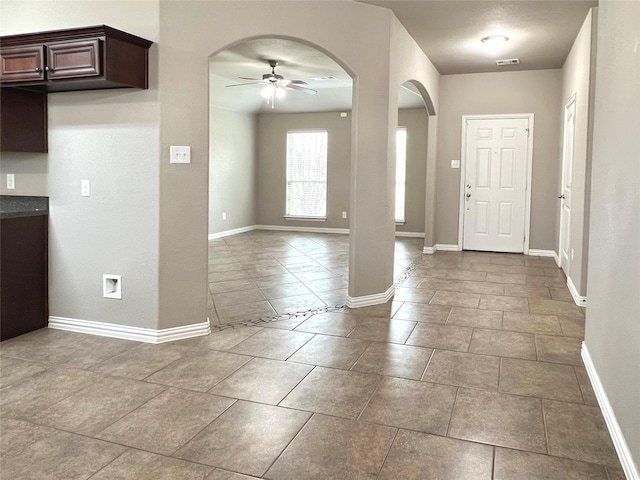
[[307, 174], [401, 172]]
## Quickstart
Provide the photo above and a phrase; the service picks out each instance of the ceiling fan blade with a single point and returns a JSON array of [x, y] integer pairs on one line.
[[298, 82], [300, 88], [242, 84], [249, 78]]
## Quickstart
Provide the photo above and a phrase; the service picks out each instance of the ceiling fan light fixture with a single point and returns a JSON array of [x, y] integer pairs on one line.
[[494, 42]]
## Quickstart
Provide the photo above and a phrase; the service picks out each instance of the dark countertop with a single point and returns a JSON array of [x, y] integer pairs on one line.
[[23, 206]]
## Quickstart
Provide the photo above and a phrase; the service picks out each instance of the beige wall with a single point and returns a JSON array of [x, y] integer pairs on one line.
[[271, 145], [612, 324], [578, 75], [536, 92], [110, 137], [232, 170]]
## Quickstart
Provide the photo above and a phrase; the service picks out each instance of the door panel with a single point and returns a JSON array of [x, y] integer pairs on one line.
[[567, 179], [496, 153]]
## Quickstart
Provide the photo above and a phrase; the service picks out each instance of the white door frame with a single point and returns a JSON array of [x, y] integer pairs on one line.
[[463, 164]]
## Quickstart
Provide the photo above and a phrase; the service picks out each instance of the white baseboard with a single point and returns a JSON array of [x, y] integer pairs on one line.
[[626, 459], [287, 228], [235, 231], [369, 300], [429, 250], [580, 300], [138, 334], [545, 253], [409, 234], [445, 247]]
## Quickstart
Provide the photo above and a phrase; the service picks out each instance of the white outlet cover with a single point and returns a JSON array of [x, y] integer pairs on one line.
[[112, 286], [11, 181], [85, 188], [455, 163], [180, 154]]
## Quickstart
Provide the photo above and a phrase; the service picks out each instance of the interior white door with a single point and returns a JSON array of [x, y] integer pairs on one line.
[[567, 174], [496, 152]]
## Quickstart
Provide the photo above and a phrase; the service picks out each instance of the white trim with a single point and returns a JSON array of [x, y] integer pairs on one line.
[[138, 334], [283, 228], [409, 234], [463, 153], [304, 219], [368, 300], [235, 231], [545, 253], [580, 300], [448, 247], [429, 250], [624, 454], [561, 232]]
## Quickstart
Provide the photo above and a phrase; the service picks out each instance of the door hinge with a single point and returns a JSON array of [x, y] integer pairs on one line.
[[528, 132]]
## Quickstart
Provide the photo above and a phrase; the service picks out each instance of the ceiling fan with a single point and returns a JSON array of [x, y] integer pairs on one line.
[[276, 86]]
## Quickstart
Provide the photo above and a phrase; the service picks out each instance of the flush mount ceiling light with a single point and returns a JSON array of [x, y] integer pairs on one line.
[[494, 42]]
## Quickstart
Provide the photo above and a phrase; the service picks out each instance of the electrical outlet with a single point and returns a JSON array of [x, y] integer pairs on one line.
[[224, 215], [11, 181], [455, 163], [344, 214], [85, 188], [180, 154]]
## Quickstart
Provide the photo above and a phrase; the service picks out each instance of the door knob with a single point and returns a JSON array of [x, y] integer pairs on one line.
[[560, 196]]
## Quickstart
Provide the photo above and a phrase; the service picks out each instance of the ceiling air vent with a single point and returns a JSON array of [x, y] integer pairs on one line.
[[508, 61]]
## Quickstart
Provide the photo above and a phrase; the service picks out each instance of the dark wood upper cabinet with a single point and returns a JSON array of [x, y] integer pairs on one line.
[[34, 64]]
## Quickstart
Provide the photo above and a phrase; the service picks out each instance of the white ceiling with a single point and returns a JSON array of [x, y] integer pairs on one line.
[[540, 33]]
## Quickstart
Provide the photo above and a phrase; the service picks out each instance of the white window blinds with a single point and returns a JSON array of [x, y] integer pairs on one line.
[[307, 173]]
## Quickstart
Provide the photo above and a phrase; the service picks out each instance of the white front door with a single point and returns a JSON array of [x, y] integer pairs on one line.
[[495, 184], [567, 174]]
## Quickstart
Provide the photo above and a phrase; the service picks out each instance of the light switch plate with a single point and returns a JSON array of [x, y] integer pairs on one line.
[[11, 181], [180, 154], [455, 163]]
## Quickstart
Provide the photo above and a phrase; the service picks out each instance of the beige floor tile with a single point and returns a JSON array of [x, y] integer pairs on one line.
[[510, 464], [561, 293], [588, 394], [138, 465], [415, 295], [286, 323], [98, 405], [539, 379], [531, 323], [508, 278], [40, 391], [231, 286], [18, 434], [296, 303], [16, 370], [473, 317], [199, 372], [60, 455], [221, 339], [333, 392], [572, 327], [485, 288], [423, 313], [262, 380], [463, 370], [578, 432], [142, 360], [330, 323], [559, 349], [245, 312], [466, 275], [382, 330], [167, 422], [219, 474], [330, 448], [530, 291], [394, 360], [283, 291], [498, 419], [326, 284], [446, 337], [558, 282], [419, 456], [411, 405], [456, 299], [274, 280], [246, 439], [328, 351], [504, 303], [616, 473], [555, 307], [273, 343], [503, 344]]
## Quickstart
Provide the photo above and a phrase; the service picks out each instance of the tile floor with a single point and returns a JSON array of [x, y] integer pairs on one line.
[[473, 371]]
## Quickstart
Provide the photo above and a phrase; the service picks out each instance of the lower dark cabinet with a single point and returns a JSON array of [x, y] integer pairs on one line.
[[24, 303]]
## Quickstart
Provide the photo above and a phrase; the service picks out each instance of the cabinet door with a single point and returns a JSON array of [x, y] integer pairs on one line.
[[73, 59], [22, 63]]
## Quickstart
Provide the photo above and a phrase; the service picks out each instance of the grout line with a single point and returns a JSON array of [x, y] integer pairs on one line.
[[387, 454]]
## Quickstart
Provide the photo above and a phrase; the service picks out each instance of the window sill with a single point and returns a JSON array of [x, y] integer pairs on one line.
[[305, 219]]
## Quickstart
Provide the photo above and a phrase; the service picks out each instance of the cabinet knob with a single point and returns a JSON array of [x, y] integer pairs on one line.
[[38, 69]]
